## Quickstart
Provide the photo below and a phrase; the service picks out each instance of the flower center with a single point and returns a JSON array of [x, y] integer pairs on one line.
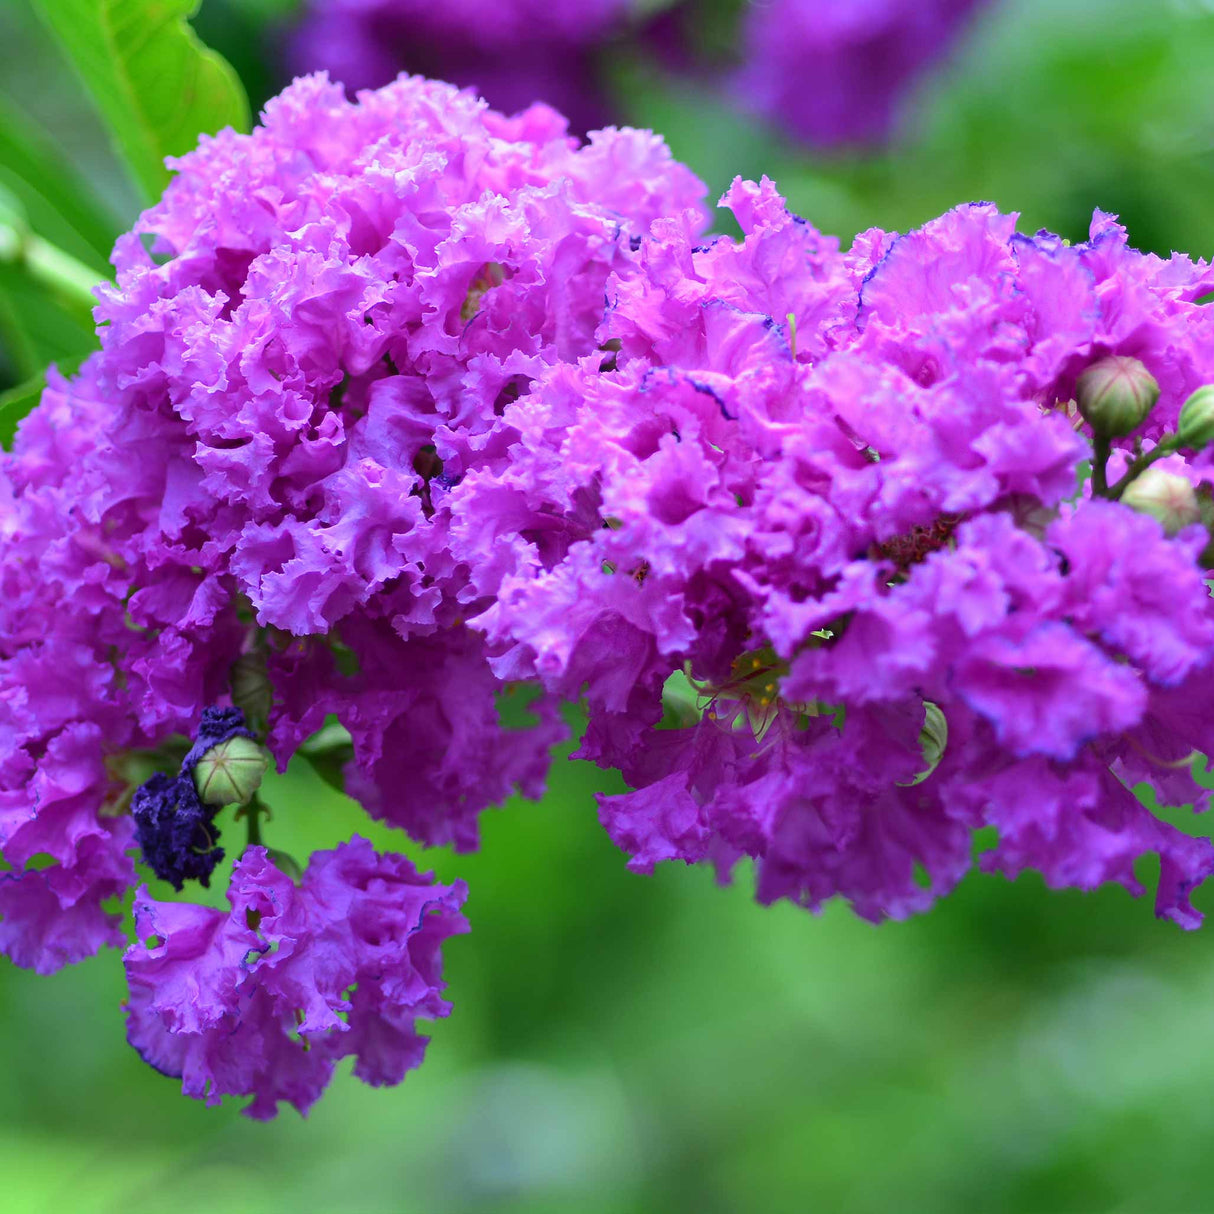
[[918, 543]]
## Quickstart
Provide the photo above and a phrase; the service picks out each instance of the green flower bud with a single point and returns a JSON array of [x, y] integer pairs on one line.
[[1164, 496], [933, 741], [1115, 395], [285, 863], [230, 773], [1196, 426], [252, 691]]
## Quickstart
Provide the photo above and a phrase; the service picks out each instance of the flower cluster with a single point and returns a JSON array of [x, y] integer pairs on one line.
[[259, 999], [241, 498], [513, 52], [402, 404], [825, 572]]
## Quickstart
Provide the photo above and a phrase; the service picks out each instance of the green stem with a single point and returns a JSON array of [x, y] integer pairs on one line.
[[252, 813], [61, 271], [1100, 466], [49, 265]]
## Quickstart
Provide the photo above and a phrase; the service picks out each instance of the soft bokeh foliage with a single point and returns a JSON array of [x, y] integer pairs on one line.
[[626, 1044], [635, 1045]]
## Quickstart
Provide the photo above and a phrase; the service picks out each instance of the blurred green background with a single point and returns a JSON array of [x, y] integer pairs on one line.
[[629, 1045]]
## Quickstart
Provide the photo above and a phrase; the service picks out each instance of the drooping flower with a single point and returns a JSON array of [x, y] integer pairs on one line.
[[264, 999]]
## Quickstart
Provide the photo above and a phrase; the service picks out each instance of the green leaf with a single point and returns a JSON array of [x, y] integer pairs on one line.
[[46, 296], [331, 766], [240, 31], [35, 327], [155, 84], [56, 201], [18, 401]]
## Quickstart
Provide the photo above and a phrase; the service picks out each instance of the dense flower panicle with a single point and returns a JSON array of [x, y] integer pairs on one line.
[[834, 71], [513, 52], [808, 537], [263, 1000], [311, 338], [427, 419]]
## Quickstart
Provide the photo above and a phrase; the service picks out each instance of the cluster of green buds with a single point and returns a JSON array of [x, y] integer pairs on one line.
[[1115, 396]]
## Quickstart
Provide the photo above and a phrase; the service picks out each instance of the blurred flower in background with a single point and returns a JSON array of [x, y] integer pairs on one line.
[[1046, 107], [513, 52], [828, 72], [834, 71]]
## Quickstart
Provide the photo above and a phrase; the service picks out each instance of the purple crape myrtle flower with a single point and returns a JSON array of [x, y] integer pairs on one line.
[[833, 72], [174, 826], [264, 999], [240, 503], [513, 52], [402, 404], [332, 315], [815, 550]]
